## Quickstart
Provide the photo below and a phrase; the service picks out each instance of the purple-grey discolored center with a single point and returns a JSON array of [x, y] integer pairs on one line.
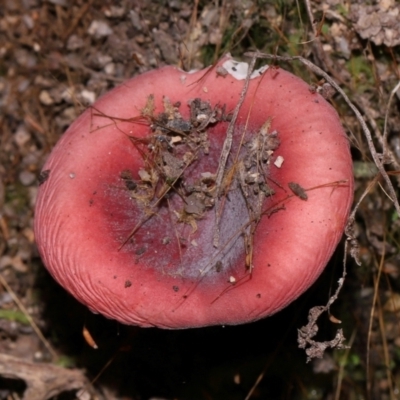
[[176, 237]]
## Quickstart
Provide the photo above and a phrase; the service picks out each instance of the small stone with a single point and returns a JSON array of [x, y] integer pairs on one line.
[[109, 69], [135, 19], [83, 394], [22, 136], [62, 3], [28, 21], [27, 178], [88, 97], [70, 114], [43, 82], [103, 59], [45, 98], [75, 42], [38, 356], [114, 12], [23, 85], [15, 262], [25, 58], [278, 162], [99, 29]]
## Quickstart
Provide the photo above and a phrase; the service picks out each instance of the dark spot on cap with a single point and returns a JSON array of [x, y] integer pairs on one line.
[[218, 266], [43, 176], [140, 251]]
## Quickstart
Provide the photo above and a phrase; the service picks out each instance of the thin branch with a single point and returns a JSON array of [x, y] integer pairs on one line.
[[390, 156], [33, 324], [226, 149], [376, 157]]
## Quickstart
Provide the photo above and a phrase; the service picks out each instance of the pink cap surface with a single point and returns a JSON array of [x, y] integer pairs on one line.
[[85, 213]]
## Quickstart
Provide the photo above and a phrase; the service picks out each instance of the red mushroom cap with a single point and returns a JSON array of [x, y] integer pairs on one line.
[[169, 273]]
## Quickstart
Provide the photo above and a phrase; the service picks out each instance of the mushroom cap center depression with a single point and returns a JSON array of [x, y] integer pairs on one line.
[[165, 213]]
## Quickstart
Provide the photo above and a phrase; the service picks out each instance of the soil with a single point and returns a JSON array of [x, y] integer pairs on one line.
[[56, 58]]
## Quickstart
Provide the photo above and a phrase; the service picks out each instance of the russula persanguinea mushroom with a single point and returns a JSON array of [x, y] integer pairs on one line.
[[139, 218]]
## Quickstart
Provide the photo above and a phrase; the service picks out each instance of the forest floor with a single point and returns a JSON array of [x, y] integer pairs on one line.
[[56, 58]]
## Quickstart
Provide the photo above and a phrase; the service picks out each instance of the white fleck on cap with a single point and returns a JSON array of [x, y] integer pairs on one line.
[[239, 69]]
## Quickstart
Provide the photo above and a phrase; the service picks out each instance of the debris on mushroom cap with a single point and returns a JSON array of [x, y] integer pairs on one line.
[[155, 230], [239, 69]]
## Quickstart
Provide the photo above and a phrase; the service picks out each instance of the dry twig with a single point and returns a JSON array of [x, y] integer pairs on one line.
[[226, 149], [379, 159], [43, 381], [33, 324]]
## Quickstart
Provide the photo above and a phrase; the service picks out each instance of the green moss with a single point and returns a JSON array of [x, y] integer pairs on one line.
[[66, 362], [325, 29], [342, 10], [361, 73], [14, 315], [18, 196]]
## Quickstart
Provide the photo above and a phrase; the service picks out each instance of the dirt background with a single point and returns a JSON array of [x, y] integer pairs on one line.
[[57, 57]]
